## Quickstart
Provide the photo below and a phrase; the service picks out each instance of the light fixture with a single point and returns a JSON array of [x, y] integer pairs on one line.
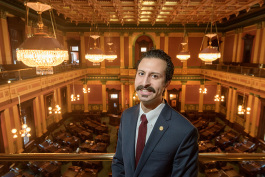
[[73, 96], [41, 50], [56, 110], [86, 90], [204, 91], [242, 109], [95, 54], [25, 130], [210, 53], [184, 54], [110, 55], [218, 98]]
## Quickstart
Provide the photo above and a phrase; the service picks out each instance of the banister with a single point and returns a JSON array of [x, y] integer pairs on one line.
[[109, 156]]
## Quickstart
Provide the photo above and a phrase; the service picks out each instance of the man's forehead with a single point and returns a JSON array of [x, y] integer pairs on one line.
[[153, 65]]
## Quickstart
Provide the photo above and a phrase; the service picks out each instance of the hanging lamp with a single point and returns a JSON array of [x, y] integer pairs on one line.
[[41, 50], [184, 54]]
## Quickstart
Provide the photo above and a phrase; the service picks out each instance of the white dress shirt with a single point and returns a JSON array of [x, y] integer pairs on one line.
[[151, 117]]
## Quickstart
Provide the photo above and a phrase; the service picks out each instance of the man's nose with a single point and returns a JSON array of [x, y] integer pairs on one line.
[[146, 81]]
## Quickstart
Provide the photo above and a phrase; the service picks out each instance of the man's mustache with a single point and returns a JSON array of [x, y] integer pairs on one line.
[[150, 89]]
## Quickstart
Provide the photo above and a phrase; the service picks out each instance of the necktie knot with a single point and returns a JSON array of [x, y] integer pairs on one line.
[[143, 119]]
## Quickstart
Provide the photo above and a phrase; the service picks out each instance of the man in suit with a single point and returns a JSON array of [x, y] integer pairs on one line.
[[154, 140]]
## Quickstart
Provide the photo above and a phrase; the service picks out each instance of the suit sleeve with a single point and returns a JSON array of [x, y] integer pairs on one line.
[[186, 159], [117, 162]]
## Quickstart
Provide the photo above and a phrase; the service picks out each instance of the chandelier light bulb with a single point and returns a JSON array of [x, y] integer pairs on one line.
[[15, 136], [14, 130], [28, 129], [24, 126]]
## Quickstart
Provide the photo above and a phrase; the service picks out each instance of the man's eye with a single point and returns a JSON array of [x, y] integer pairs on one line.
[[140, 73], [154, 76]]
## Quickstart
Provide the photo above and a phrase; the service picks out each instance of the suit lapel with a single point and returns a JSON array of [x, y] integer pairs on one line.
[[155, 136], [131, 137]]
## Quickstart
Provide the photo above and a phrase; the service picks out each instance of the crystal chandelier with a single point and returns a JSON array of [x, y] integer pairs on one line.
[[25, 130], [110, 55], [219, 98], [41, 50], [95, 54], [184, 54], [56, 110]]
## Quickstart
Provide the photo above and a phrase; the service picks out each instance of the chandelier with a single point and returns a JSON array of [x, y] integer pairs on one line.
[[210, 53], [25, 130], [184, 54], [86, 90], [73, 96], [204, 91], [110, 55], [56, 110], [95, 54], [242, 109], [219, 98], [41, 50]]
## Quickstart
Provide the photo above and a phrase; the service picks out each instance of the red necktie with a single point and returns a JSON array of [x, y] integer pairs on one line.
[[141, 138]]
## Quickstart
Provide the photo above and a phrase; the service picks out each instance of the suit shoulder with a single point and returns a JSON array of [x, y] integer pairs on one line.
[[131, 109], [179, 118]]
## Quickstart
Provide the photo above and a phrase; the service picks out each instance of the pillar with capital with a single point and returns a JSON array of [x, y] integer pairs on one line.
[[222, 48], [131, 91], [122, 96], [157, 40], [37, 116], [235, 46], [183, 95], [217, 103], [253, 128], [69, 104], [202, 86], [166, 43], [5, 49], [19, 143], [85, 98], [248, 116], [121, 50], [229, 103], [239, 45], [43, 116], [130, 51], [262, 52], [82, 48], [233, 106], [257, 44], [8, 139], [104, 97]]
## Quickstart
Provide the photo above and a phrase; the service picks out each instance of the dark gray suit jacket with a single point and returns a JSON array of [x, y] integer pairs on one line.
[[172, 151]]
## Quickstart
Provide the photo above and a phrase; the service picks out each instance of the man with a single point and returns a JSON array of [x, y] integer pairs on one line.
[[154, 140]]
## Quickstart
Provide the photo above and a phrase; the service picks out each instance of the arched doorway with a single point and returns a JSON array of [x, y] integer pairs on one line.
[[142, 45]]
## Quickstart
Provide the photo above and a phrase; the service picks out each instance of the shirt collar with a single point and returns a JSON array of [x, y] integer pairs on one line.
[[153, 113]]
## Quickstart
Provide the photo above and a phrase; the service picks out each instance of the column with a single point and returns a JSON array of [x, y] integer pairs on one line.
[[183, 95], [8, 139], [122, 50], [233, 106], [104, 97], [166, 95], [5, 40], [218, 92], [69, 104], [166, 43], [240, 40], [229, 102], [55, 102], [202, 86], [254, 128], [262, 47], [248, 116], [59, 98], [103, 63], [157, 41], [221, 60], [122, 96], [85, 99], [131, 91], [235, 47], [37, 117], [43, 114], [82, 49], [130, 51], [19, 144], [256, 45]]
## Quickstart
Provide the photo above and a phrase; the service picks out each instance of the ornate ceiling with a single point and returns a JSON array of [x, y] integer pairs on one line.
[[151, 11]]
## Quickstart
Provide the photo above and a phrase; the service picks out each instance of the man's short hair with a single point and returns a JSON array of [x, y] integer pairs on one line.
[[160, 54]]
